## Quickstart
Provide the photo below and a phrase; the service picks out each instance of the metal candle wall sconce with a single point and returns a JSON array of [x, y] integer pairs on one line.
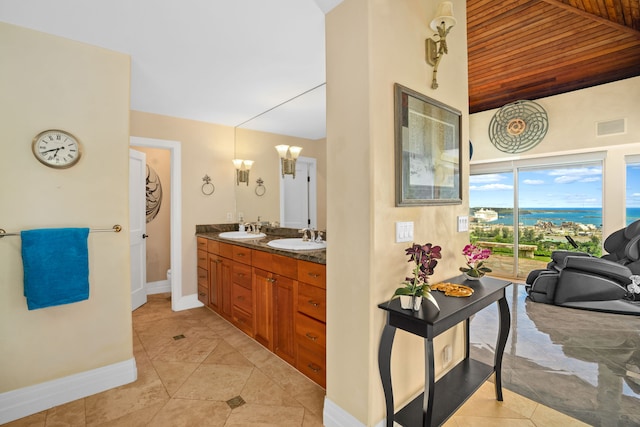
[[207, 188], [441, 24]]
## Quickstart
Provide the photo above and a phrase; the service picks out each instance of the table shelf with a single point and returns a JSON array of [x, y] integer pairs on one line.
[[451, 391]]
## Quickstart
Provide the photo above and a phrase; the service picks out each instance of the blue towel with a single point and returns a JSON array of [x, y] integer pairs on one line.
[[56, 266]]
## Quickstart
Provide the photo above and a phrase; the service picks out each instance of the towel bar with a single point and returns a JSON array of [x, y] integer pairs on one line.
[[116, 229]]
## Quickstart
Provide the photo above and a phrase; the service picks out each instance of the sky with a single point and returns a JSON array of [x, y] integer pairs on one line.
[[576, 186]]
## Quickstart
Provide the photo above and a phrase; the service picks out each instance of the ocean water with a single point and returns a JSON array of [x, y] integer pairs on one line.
[[530, 216]]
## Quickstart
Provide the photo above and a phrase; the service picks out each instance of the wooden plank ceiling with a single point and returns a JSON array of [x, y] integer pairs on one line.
[[529, 49]]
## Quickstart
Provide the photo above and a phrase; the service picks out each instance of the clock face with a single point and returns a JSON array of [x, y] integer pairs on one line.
[[56, 148]]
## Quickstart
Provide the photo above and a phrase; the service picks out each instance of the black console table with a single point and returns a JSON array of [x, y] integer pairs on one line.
[[442, 398]]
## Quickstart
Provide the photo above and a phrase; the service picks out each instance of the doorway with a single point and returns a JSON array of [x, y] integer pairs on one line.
[[298, 196], [177, 301]]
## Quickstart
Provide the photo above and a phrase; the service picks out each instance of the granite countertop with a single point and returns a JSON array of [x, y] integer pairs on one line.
[[212, 231]]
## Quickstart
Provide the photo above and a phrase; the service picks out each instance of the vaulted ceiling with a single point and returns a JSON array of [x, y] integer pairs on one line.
[[529, 49]]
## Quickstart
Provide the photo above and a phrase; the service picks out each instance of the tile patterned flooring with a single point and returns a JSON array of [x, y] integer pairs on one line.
[[217, 376]]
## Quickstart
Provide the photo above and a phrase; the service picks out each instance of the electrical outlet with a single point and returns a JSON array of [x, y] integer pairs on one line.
[[447, 354], [463, 223], [229, 216], [404, 231]]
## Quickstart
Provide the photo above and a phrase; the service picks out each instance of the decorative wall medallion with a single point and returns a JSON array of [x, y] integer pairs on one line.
[[518, 126], [154, 194]]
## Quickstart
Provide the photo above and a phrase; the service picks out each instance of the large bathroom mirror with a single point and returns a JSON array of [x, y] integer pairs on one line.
[[268, 196]]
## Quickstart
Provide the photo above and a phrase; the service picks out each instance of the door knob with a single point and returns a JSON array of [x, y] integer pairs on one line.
[[144, 236]]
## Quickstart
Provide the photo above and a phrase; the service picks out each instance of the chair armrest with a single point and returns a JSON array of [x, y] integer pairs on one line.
[[600, 267], [559, 256]]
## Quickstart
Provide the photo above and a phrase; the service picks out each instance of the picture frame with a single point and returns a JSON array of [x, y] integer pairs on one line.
[[428, 152]]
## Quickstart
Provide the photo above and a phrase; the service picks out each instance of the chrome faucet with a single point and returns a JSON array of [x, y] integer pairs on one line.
[[304, 234], [313, 234], [249, 227]]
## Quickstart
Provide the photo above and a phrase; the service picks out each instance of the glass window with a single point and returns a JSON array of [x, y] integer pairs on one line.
[[633, 191], [547, 202]]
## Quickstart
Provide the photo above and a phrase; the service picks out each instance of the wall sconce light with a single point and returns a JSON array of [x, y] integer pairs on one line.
[[288, 156], [242, 170], [442, 24]]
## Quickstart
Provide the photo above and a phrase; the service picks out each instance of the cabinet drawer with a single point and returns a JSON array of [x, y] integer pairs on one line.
[[202, 243], [242, 320], [225, 250], [203, 277], [312, 301], [241, 274], [203, 294], [310, 272], [310, 332], [242, 298], [213, 247], [202, 259], [278, 264], [312, 364], [242, 254]]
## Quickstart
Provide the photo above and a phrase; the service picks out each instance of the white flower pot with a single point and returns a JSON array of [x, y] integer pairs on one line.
[[409, 302], [471, 277]]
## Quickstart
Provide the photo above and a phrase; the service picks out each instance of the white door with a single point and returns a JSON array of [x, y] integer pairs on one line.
[[298, 196], [137, 227]]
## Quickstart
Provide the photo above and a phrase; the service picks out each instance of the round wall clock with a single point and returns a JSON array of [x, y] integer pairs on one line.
[[518, 126], [56, 148]]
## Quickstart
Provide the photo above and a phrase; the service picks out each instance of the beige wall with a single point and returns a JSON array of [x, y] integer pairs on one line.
[[159, 241], [207, 149], [49, 82], [372, 44], [260, 147], [573, 118]]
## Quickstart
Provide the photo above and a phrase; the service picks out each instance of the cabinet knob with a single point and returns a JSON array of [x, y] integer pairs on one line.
[[311, 337], [315, 368], [314, 275], [313, 303]]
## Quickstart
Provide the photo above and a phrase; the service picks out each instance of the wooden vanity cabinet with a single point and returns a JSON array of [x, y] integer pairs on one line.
[[310, 321], [215, 292], [275, 286], [278, 300], [242, 297], [203, 271]]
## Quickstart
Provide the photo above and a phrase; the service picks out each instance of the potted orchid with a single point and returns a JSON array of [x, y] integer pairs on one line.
[[424, 259], [475, 257]]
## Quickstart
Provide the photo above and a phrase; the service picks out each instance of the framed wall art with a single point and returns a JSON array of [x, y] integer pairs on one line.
[[428, 150]]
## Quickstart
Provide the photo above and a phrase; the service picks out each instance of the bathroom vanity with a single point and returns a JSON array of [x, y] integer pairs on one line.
[[276, 296]]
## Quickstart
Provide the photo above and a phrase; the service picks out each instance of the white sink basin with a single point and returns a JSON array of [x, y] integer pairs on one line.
[[241, 235], [297, 245]]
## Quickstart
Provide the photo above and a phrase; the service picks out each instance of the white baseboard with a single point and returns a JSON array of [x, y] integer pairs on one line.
[[159, 287], [335, 416], [29, 400], [187, 302]]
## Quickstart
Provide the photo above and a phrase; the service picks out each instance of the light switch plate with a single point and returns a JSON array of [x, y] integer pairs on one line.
[[404, 231], [463, 223]]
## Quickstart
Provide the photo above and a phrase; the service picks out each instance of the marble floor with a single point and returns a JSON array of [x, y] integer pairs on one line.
[[581, 363], [195, 369]]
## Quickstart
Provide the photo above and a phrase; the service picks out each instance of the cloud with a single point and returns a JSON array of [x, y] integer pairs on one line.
[[566, 179], [486, 178], [533, 181], [490, 187]]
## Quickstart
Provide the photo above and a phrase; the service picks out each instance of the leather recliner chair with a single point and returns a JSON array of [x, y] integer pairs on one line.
[[579, 280]]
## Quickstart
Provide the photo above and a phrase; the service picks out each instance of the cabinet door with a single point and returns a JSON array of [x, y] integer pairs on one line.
[[225, 282], [215, 287], [263, 307], [283, 318]]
